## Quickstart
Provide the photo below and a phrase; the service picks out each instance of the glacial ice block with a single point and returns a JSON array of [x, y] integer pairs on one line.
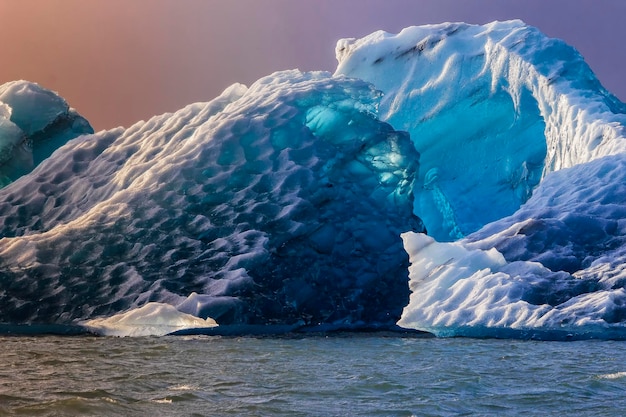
[[34, 122], [282, 203], [279, 203]]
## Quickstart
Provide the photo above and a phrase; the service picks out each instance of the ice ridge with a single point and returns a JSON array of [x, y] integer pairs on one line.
[[492, 110]]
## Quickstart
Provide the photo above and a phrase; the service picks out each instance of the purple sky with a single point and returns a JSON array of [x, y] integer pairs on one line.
[[120, 61]]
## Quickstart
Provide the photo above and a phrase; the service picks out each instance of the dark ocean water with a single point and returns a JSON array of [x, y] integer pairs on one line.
[[340, 375]]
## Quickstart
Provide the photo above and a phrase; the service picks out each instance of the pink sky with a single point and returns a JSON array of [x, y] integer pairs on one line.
[[120, 61]]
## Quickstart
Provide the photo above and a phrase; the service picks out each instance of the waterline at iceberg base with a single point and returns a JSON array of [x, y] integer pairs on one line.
[[456, 179]]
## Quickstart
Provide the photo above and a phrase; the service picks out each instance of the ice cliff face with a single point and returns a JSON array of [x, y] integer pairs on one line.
[[33, 123], [259, 205]]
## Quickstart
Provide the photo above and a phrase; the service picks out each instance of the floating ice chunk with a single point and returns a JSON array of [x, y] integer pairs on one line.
[[153, 319], [32, 107]]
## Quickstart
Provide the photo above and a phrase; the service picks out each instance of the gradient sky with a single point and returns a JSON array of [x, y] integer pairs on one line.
[[120, 61]]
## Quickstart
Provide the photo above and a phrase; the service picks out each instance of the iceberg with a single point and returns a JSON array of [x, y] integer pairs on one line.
[[457, 179], [34, 122]]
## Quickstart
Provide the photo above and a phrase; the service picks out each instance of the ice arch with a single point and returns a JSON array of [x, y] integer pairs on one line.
[[492, 109]]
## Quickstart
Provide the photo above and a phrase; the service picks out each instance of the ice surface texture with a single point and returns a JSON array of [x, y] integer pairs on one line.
[[280, 203], [522, 153], [33, 123]]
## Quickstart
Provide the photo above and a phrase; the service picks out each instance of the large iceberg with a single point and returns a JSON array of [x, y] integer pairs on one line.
[[454, 178]]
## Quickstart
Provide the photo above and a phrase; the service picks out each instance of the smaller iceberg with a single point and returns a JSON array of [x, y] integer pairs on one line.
[[34, 122], [152, 319]]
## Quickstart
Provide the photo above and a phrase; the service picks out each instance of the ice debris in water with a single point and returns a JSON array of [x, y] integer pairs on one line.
[[281, 203], [152, 319], [34, 122], [492, 109]]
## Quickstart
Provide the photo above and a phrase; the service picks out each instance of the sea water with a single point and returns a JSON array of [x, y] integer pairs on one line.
[[320, 375]]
